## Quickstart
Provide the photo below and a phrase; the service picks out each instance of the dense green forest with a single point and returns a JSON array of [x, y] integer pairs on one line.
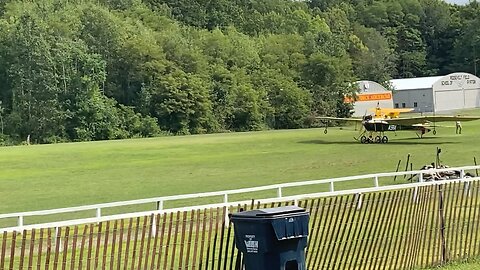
[[110, 69]]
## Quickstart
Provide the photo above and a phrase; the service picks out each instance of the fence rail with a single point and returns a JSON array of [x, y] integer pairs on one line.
[[374, 180]]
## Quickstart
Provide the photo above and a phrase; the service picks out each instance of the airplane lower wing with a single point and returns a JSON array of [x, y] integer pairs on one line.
[[428, 119]]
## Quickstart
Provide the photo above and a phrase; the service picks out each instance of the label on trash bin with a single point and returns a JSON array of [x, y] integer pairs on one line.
[[251, 244]]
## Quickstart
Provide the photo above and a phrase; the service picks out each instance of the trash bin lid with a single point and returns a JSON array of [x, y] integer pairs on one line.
[[270, 212]]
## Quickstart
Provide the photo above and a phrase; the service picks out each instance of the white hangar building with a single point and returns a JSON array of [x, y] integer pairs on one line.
[[369, 95], [435, 94]]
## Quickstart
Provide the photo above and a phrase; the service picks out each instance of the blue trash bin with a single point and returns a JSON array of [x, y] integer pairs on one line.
[[272, 238]]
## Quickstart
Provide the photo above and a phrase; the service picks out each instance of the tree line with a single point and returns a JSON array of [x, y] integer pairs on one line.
[[111, 69]]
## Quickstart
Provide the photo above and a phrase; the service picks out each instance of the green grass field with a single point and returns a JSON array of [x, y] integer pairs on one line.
[[473, 265], [51, 176]]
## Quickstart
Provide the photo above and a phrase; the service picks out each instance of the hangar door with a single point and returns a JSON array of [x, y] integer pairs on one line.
[[472, 98], [449, 100]]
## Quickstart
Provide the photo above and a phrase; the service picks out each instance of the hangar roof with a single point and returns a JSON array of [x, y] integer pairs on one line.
[[414, 83]]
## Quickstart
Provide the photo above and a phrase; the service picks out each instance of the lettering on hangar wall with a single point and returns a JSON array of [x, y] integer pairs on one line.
[[460, 79]]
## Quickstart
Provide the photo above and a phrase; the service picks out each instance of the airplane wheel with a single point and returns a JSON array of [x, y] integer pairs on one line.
[[378, 139], [363, 139], [325, 131], [434, 132], [385, 139]]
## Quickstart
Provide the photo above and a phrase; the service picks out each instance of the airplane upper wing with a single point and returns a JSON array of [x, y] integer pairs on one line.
[[390, 110], [339, 119], [428, 119]]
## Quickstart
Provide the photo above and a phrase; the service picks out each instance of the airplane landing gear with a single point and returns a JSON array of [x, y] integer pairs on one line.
[[377, 139]]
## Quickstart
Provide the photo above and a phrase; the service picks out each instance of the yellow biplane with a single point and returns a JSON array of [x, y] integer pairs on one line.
[[374, 126]]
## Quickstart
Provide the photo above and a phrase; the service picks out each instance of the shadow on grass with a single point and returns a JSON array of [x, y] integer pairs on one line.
[[392, 141]]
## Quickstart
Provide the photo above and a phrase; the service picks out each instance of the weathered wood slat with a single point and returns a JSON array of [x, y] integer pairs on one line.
[[476, 218], [162, 237], [183, 224], [40, 250], [167, 245], [396, 203], [221, 220], [22, 249], [32, 246], [375, 246], [174, 244], [142, 242], [58, 237], [82, 247], [189, 240], [429, 193], [150, 229], [229, 249], [202, 242], [320, 243], [365, 208], [153, 255], [2, 254], [135, 243], [340, 213], [97, 249], [120, 244], [49, 249], [470, 232], [114, 240], [360, 249], [209, 238], [106, 235], [215, 238], [65, 248], [196, 242], [420, 200], [90, 246], [74, 247], [127, 245], [345, 230], [12, 251]]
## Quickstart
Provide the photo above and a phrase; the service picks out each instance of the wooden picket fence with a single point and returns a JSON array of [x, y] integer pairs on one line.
[[401, 229]]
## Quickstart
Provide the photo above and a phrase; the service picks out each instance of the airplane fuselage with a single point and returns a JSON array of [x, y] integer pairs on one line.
[[378, 126]]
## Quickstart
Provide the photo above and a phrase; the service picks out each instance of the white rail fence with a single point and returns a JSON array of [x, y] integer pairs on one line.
[[373, 178]]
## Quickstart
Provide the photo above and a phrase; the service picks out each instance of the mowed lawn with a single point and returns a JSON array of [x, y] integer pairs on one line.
[[39, 177], [474, 265]]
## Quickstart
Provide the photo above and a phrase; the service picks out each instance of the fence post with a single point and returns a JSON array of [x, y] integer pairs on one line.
[[415, 193], [99, 212], [279, 192], [359, 201], [20, 222], [332, 189], [59, 242], [159, 205], [225, 198], [153, 229], [441, 212], [420, 177], [467, 189], [375, 180]]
